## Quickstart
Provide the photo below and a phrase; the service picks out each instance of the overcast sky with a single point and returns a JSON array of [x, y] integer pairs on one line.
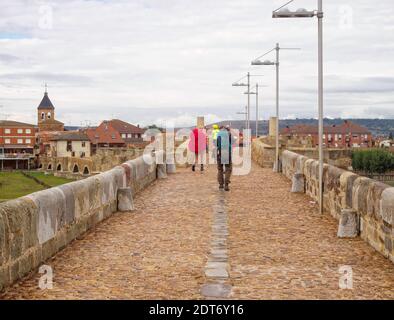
[[150, 61]]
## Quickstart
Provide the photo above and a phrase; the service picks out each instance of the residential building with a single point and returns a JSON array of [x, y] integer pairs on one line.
[[104, 136], [345, 135], [46, 116], [129, 133], [17, 141], [74, 144]]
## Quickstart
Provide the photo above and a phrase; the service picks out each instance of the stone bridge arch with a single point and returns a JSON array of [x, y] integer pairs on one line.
[[75, 168]]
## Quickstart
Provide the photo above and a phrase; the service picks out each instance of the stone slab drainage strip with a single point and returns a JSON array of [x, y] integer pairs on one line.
[[216, 270]]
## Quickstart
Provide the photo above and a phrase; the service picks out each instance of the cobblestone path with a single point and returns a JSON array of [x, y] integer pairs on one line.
[[278, 246]]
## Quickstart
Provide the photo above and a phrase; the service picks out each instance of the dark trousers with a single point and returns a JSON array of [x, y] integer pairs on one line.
[[224, 173]]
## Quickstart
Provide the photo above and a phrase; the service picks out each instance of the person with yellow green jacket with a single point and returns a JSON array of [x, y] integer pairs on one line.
[[215, 131]]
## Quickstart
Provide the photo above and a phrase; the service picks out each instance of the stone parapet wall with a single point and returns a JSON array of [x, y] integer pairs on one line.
[[372, 200], [35, 227], [263, 154]]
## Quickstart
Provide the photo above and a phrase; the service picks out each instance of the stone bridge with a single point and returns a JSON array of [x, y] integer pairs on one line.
[[187, 239]]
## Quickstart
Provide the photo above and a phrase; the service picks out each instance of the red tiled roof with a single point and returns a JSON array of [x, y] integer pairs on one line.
[[124, 127], [9, 123], [104, 133]]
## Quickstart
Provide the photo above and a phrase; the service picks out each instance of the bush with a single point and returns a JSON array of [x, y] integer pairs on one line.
[[373, 161]]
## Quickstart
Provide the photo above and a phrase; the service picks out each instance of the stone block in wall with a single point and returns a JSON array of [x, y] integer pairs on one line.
[[161, 171], [359, 196], [348, 224], [171, 168], [26, 264], [125, 200], [4, 238], [18, 221], [298, 183], [51, 212], [346, 184], [374, 198], [387, 211], [4, 277]]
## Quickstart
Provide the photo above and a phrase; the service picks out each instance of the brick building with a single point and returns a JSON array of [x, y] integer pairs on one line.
[[17, 140], [104, 136], [129, 133], [345, 135]]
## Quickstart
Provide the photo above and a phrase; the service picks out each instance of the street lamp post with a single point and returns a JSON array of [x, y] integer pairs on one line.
[[257, 110], [238, 84], [246, 115], [258, 62], [256, 92], [303, 13]]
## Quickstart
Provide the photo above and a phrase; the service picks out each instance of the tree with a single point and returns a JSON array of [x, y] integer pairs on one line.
[[373, 161]]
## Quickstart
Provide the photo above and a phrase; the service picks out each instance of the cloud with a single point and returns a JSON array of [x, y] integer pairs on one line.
[[8, 58], [119, 57]]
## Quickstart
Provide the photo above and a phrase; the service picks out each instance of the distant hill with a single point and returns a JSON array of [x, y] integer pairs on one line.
[[376, 126]]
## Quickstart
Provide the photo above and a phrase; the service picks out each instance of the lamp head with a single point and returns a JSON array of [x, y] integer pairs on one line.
[[299, 13], [263, 63]]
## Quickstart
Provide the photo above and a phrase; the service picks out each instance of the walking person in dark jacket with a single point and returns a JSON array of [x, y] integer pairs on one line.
[[224, 157]]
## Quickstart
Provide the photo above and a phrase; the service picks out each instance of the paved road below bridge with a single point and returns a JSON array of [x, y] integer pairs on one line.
[[273, 245]]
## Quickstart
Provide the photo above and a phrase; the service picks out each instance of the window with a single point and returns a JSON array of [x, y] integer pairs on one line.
[[28, 130], [129, 135], [49, 115], [28, 140], [20, 141], [336, 137], [20, 131], [69, 146], [7, 141], [42, 115], [340, 136], [113, 136], [83, 144], [324, 137], [7, 131], [124, 135]]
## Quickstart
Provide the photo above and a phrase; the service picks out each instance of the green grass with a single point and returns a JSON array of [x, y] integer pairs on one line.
[[14, 184], [50, 180]]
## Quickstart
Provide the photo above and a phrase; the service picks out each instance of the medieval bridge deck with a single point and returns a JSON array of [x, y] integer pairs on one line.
[[188, 240]]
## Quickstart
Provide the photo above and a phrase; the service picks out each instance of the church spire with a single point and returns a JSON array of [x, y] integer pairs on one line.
[[46, 102]]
